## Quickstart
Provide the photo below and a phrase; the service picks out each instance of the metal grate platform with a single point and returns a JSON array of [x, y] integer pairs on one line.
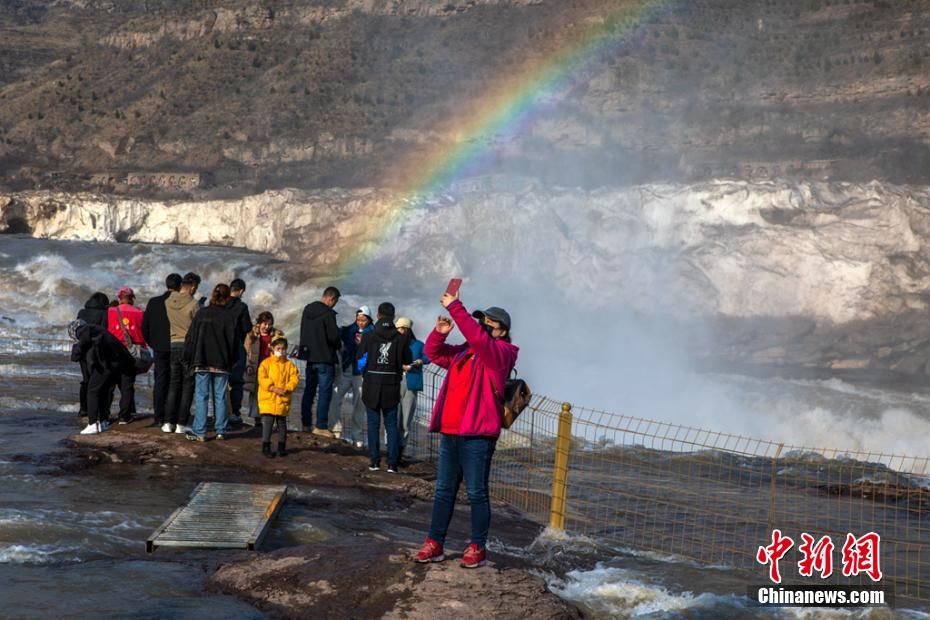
[[221, 515]]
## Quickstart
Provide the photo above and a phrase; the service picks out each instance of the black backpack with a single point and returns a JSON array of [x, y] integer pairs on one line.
[[517, 395]]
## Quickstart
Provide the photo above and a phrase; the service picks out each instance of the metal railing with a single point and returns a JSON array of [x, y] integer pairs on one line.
[[709, 497], [702, 495]]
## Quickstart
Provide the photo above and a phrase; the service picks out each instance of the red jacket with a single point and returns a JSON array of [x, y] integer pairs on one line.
[[132, 319], [494, 359]]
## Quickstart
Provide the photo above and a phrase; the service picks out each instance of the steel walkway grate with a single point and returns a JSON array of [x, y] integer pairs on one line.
[[221, 515]]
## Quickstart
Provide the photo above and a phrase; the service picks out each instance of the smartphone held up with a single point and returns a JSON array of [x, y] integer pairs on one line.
[[454, 285]]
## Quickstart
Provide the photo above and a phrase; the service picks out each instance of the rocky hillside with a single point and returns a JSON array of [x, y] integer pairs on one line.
[[327, 93]]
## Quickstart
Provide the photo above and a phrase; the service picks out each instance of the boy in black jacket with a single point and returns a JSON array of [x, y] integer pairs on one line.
[[385, 352]]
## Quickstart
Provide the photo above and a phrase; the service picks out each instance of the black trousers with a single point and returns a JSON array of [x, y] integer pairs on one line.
[[85, 377], [127, 394], [100, 386], [236, 381], [161, 386], [180, 388]]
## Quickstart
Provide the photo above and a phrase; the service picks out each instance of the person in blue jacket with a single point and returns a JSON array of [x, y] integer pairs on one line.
[[354, 426], [411, 387]]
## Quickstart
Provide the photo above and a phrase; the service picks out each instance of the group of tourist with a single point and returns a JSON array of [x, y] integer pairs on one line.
[[208, 350]]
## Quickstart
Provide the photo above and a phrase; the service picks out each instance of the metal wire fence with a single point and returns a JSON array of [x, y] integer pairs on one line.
[[711, 497], [706, 496]]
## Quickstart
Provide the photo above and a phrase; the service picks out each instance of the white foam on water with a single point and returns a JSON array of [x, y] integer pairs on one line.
[[37, 554], [892, 431], [21, 370], [823, 415], [582, 544], [621, 593], [37, 404]]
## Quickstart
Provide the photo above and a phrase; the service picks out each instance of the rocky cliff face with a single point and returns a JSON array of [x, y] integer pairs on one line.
[[831, 252], [822, 275], [336, 93]]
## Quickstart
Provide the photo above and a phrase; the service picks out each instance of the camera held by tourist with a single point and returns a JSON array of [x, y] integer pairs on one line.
[[467, 415], [277, 379]]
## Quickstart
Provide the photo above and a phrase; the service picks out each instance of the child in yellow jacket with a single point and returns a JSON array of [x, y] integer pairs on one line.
[[277, 380]]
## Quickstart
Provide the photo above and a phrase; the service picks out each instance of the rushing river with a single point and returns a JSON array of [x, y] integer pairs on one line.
[[72, 537]]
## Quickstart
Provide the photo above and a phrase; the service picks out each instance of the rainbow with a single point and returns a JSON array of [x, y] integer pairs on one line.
[[506, 113]]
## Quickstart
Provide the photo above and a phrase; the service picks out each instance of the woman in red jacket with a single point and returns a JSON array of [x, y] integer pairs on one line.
[[468, 415]]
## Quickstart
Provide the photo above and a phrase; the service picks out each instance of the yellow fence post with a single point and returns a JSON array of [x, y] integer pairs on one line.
[[563, 445]]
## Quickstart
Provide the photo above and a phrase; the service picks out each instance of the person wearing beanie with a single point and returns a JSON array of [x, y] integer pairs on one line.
[[349, 383], [412, 384]]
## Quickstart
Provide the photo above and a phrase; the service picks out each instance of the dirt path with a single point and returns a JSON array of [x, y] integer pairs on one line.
[[363, 571]]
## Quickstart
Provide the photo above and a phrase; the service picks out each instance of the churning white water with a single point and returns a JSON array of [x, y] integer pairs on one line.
[[568, 352]]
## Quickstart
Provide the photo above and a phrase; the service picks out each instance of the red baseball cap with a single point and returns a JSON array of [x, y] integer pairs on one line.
[[125, 292]]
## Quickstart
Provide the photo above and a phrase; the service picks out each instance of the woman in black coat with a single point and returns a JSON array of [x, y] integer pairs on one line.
[[210, 350], [94, 312]]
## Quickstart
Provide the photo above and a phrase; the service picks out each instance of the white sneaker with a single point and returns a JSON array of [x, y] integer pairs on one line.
[[93, 429], [166, 428], [181, 429], [359, 444]]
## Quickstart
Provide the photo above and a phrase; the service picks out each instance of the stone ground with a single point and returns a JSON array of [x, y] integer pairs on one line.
[[364, 570]]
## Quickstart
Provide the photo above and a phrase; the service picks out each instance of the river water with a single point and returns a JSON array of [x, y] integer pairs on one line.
[[72, 537]]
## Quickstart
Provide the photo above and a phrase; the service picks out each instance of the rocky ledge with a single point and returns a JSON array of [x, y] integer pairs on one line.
[[363, 569]]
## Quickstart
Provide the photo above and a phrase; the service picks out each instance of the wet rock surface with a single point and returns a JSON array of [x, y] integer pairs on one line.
[[372, 523]]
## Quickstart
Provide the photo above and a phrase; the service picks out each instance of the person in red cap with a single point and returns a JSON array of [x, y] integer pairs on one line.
[[126, 315]]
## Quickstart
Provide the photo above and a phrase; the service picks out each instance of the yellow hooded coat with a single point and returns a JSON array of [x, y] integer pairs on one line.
[[277, 372]]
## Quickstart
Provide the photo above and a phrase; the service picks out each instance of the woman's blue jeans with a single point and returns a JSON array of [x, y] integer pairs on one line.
[[468, 458], [204, 384]]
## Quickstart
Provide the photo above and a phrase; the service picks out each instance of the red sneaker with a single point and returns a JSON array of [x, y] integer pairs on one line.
[[474, 557], [431, 551]]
